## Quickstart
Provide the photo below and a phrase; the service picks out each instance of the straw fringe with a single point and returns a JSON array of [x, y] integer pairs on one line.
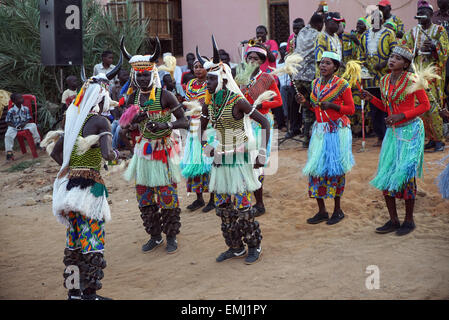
[[244, 72]]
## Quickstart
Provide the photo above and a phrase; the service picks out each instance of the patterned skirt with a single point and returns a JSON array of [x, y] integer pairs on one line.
[[198, 184], [326, 187], [408, 192]]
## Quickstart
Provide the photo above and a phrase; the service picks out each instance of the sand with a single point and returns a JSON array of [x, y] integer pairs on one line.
[[299, 261]]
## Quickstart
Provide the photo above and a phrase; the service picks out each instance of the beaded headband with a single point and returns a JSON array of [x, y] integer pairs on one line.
[[404, 52]]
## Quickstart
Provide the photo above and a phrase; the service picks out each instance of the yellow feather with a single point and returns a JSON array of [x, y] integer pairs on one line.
[[353, 72]]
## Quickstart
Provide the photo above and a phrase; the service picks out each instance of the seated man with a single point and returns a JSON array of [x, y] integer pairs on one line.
[[18, 118]]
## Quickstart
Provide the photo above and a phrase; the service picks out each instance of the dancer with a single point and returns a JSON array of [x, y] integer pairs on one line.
[[330, 150], [155, 163], [402, 154], [79, 192], [194, 165], [233, 171], [259, 83]]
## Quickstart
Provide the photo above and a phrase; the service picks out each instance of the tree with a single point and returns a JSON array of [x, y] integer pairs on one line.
[[20, 62]]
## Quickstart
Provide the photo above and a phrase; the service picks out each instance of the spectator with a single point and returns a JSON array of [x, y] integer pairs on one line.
[[116, 112], [270, 45], [225, 58], [18, 118], [169, 85], [385, 8], [106, 65], [305, 47], [298, 24], [190, 58], [122, 79], [376, 45], [70, 93]]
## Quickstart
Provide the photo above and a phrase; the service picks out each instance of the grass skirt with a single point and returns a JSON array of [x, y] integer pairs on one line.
[[257, 131], [330, 149], [401, 157], [443, 181], [154, 173], [235, 177], [194, 163]]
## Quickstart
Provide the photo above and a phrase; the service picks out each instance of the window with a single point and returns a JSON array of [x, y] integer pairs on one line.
[[165, 20], [279, 20]]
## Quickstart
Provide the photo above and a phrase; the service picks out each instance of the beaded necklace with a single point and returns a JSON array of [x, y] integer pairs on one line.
[[219, 105], [399, 93]]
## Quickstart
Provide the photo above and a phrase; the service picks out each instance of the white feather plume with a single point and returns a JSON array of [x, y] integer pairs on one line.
[[50, 140], [51, 136], [422, 77], [266, 96], [194, 107], [290, 66], [49, 148], [84, 144]]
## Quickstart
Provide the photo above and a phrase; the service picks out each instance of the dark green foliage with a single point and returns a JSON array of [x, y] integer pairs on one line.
[[20, 62]]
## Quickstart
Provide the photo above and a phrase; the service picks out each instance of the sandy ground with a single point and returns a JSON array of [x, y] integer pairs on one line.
[[299, 261]]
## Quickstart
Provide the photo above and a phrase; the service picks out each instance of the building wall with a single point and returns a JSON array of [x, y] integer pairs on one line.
[[231, 22]]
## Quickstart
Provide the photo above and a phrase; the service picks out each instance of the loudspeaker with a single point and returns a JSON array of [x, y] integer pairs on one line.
[[61, 32]]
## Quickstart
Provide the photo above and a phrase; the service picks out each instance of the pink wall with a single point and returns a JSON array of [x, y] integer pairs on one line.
[[351, 10], [230, 21]]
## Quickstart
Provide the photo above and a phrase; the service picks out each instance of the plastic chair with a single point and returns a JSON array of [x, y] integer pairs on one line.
[[28, 99]]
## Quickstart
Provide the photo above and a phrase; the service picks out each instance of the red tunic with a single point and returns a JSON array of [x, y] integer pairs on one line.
[[347, 107], [263, 82], [407, 106]]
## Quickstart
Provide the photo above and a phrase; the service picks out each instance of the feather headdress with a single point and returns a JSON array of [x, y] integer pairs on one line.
[[422, 77]]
